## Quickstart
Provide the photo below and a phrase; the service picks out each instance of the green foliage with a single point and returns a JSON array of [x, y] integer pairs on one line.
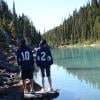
[[82, 26], [14, 27]]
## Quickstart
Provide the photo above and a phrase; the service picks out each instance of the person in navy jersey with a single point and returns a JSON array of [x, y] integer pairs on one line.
[[44, 60], [26, 61]]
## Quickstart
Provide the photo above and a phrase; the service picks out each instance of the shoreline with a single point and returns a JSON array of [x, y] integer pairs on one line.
[[80, 45]]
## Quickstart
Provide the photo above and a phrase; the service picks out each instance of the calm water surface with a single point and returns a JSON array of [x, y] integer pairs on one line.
[[76, 72]]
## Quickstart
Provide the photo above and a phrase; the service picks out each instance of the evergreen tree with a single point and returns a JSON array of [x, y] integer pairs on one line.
[[15, 28], [81, 27]]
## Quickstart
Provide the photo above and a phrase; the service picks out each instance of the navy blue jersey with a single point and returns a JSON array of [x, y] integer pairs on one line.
[[25, 57], [44, 57]]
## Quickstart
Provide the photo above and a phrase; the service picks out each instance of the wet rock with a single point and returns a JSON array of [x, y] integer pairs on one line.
[[11, 93], [2, 55], [9, 67], [9, 76]]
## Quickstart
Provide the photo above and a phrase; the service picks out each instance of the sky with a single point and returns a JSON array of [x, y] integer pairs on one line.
[[46, 14]]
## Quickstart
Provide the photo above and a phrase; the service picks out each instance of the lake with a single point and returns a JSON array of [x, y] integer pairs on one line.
[[76, 72]]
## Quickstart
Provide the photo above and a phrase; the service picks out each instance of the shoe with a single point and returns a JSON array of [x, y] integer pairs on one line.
[[32, 91], [43, 90], [25, 92], [51, 89]]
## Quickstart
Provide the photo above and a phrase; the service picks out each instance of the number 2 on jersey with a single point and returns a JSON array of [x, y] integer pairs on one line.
[[43, 57]]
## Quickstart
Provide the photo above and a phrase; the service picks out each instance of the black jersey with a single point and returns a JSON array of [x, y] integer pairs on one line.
[[25, 57], [43, 56]]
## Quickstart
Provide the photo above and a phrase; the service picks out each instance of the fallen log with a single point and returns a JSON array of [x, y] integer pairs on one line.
[[16, 92]]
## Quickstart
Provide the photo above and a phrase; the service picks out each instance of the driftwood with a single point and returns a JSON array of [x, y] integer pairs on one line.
[[16, 92]]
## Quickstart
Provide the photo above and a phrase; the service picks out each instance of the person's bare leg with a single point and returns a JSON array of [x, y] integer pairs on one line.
[[43, 79], [32, 90], [24, 85], [43, 83], [50, 83], [31, 84]]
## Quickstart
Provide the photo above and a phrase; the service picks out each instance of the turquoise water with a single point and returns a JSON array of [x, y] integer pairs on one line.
[[76, 72], [87, 57]]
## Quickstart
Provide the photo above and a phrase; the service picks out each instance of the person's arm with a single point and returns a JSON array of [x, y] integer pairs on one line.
[[18, 58], [38, 58], [32, 58], [50, 58]]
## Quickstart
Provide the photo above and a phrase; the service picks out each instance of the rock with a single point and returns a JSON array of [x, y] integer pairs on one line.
[[9, 67], [11, 93], [2, 56], [9, 77]]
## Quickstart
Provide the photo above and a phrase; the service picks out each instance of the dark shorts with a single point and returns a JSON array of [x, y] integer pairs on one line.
[[27, 73], [43, 69]]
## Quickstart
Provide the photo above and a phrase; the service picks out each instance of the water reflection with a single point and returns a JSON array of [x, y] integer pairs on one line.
[[77, 57], [83, 63], [91, 76], [75, 84]]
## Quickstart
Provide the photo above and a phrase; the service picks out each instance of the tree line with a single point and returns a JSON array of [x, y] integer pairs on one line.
[[14, 27], [82, 26]]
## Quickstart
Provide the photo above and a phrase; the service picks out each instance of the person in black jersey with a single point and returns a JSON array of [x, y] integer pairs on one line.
[[26, 61], [44, 60]]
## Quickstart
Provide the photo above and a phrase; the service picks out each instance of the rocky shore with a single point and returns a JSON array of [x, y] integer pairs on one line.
[[9, 77], [10, 83]]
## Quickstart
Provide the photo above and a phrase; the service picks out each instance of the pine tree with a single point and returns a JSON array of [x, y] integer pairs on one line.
[[13, 24], [94, 3]]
